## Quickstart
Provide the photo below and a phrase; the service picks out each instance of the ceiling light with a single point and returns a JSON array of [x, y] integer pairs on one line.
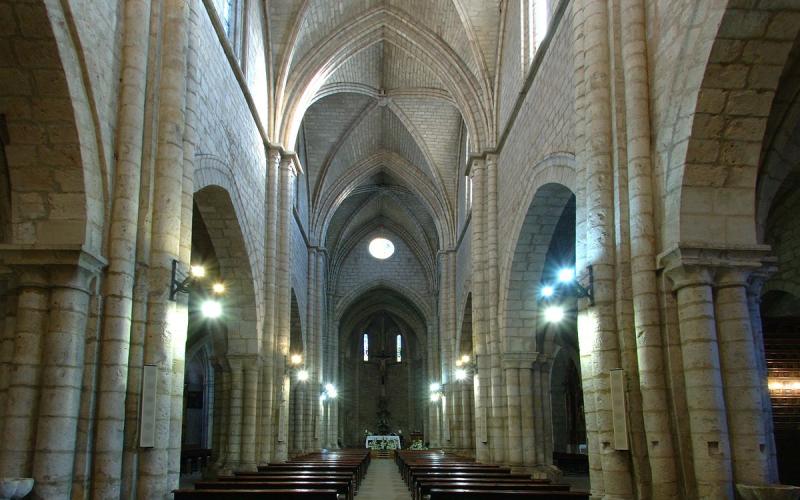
[[547, 291], [461, 374], [218, 288], [198, 271], [302, 375], [381, 248], [296, 359], [435, 387]]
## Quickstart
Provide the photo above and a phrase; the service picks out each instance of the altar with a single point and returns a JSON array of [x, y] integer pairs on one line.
[[385, 439]]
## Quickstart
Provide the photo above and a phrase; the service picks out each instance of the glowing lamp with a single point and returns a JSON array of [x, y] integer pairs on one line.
[[211, 309], [554, 314], [566, 275], [198, 271]]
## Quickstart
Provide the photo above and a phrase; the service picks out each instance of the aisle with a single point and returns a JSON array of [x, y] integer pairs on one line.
[[383, 482]]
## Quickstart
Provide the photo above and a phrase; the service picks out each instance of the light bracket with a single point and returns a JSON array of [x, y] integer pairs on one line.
[[178, 282]]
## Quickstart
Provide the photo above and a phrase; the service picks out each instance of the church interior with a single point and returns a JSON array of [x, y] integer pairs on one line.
[[334, 247]]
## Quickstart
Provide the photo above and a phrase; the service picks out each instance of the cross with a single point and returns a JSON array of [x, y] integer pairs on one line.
[[382, 360]]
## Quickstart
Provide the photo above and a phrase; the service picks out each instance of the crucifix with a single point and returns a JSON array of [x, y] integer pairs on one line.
[[382, 360]]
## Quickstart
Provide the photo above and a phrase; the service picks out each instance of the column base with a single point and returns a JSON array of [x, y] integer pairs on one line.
[[768, 492], [248, 467]]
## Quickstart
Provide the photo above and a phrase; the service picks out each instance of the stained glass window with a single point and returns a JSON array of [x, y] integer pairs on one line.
[[366, 347], [399, 349]]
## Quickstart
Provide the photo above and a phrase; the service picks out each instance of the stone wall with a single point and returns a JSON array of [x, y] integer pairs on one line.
[[543, 128], [359, 268]]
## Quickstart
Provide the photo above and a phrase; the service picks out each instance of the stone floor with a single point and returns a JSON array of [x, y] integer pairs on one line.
[[383, 482]]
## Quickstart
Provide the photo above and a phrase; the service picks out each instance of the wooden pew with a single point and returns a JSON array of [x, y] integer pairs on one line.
[[342, 487], [414, 470], [425, 487], [479, 477], [293, 494], [510, 479], [349, 477], [464, 494], [299, 468]]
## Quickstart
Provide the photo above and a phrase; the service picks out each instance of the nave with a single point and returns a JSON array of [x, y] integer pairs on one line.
[[415, 474]]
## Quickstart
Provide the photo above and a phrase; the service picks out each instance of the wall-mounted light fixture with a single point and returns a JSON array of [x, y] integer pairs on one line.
[[194, 281], [435, 392], [464, 367], [329, 392], [566, 285], [295, 366]]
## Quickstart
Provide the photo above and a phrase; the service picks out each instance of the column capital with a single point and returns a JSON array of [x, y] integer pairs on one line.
[[69, 266], [274, 155], [519, 360], [687, 265]]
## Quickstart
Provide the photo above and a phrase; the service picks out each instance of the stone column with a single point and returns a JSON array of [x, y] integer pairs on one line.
[[740, 372], [233, 456], [529, 429], [538, 417], [497, 425], [19, 430], [481, 415], [119, 285], [268, 389], [300, 420], [597, 324], [62, 371], [7, 327], [650, 355], [166, 321], [312, 362], [117, 317], [512, 372], [283, 292], [703, 382], [480, 325], [467, 409], [319, 334], [336, 379], [546, 428], [220, 431], [456, 415], [754, 305], [249, 407]]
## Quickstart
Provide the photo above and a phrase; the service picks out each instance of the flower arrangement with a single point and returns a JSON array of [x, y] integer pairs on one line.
[[417, 445]]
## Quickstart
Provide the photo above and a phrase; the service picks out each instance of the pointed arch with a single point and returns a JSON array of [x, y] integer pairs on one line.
[[405, 171], [384, 23]]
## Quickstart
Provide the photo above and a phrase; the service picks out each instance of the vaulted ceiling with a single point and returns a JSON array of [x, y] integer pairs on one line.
[[385, 93]]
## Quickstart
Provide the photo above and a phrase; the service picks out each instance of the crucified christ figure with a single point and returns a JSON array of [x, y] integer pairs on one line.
[[383, 360]]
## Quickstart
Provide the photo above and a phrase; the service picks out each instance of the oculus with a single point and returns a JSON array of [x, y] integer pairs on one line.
[[381, 248]]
